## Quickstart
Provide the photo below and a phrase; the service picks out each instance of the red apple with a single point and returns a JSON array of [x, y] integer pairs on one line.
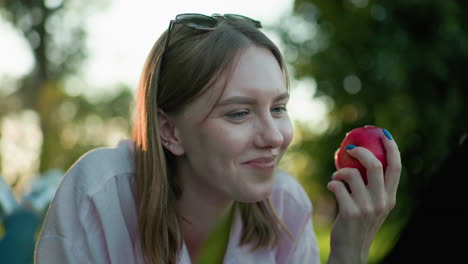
[[368, 137]]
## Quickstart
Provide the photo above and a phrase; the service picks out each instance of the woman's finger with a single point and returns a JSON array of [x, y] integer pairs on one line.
[[373, 168], [353, 178], [393, 171], [345, 202]]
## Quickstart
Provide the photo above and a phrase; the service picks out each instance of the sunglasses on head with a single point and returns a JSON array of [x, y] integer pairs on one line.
[[204, 22]]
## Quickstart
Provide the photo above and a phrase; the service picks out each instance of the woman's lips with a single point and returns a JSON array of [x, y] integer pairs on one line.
[[262, 163]]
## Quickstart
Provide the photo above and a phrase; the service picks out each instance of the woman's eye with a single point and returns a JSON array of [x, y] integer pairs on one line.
[[240, 115], [279, 110]]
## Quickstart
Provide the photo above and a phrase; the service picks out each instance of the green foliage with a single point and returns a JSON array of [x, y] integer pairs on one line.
[[214, 247], [399, 65]]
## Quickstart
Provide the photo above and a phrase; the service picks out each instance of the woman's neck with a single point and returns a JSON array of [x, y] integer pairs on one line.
[[199, 211]]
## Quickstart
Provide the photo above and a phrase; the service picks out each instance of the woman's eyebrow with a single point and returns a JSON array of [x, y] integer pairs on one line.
[[249, 100]]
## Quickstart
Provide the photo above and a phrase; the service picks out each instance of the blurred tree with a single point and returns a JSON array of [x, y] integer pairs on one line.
[[56, 34], [394, 64]]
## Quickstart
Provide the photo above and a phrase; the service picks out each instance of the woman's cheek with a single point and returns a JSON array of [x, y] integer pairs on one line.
[[287, 131]]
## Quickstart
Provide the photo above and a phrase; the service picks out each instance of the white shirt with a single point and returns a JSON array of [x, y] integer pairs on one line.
[[92, 218]]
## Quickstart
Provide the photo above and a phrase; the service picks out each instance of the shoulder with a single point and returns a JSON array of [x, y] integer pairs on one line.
[[114, 160], [93, 211], [94, 174], [96, 167]]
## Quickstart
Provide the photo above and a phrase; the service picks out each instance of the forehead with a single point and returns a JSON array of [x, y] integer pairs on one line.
[[256, 74], [257, 71]]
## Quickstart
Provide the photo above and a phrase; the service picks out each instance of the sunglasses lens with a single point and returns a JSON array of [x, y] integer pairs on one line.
[[197, 21], [243, 18]]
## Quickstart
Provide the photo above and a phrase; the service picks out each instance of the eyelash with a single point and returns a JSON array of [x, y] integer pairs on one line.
[[281, 108], [241, 115], [235, 115]]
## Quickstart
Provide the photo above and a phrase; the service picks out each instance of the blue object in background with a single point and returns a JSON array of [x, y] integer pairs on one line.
[[22, 220], [17, 244]]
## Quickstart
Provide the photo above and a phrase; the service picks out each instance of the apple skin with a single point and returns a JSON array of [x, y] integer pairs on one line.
[[369, 137]]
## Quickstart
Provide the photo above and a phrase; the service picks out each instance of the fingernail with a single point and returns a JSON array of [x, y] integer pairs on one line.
[[387, 134], [350, 147]]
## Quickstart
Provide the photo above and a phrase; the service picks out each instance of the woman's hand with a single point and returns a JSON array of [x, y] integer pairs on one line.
[[363, 210]]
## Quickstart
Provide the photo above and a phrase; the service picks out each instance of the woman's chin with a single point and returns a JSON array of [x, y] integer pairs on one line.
[[258, 193]]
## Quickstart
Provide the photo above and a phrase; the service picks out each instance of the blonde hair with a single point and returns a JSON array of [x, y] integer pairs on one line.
[[193, 60]]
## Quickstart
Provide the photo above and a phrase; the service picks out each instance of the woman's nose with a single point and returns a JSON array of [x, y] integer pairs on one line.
[[269, 135]]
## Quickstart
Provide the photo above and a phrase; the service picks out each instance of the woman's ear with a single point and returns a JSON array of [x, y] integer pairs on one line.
[[169, 135]]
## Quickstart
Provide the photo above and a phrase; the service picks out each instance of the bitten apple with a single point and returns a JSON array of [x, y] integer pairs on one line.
[[368, 137]]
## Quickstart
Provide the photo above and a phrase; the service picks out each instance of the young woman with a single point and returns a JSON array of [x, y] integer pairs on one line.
[[211, 126]]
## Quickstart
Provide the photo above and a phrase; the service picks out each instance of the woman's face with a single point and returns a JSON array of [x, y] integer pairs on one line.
[[234, 136]]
